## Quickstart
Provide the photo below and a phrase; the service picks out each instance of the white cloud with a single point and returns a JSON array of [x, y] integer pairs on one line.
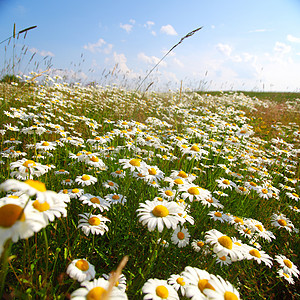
[[224, 49], [153, 32], [41, 52], [132, 21], [151, 60], [126, 27], [293, 39], [149, 24], [178, 62], [121, 60], [94, 47], [168, 29], [282, 48]]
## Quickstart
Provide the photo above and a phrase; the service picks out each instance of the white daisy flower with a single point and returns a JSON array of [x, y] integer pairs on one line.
[[156, 289], [80, 270], [178, 282], [288, 266], [286, 276], [93, 223], [221, 289], [222, 244], [85, 180], [159, 214], [180, 237], [96, 289], [95, 202]]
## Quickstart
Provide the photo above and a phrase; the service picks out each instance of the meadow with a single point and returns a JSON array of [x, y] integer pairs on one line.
[[195, 192]]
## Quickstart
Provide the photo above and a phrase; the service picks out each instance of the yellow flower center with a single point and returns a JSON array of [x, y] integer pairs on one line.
[[239, 220], [204, 284], [94, 221], [115, 197], [96, 293], [152, 171], [288, 263], [230, 296], [169, 193], [178, 181], [253, 183], [162, 292], [218, 214], [119, 172], [180, 281], [135, 162], [225, 241], [94, 159], [182, 174], [82, 265], [110, 183], [160, 211], [40, 186], [200, 244], [264, 191], [282, 222], [195, 148], [29, 163], [40, 206], [75, 191], [85, 177], [10, 214], [45, 144], [259, 227], [193, 190], [296, 195], [255, 253], [180, 235], [95, 200], [225, 181], [222, 258]]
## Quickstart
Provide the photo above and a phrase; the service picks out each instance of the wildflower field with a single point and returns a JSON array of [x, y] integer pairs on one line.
[[195, 193]]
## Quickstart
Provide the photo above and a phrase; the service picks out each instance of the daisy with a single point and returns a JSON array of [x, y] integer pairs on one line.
[[225, 183], [27, 169], [180, 237], [30, 188], [178, 282], [281, 221], [61, 172], [197, 281], [293, 196], [197, 245], [223, 260], [259, 256], [163, 243], [118, 173], [193, 192], [110, 185], [134, 164], [167, 193], [153, 173], [287, 266], [93, 223], [95, 202], [18, 221], [50, 208], [45, 146], [86, 180], [156, 289], [159, 214], [286, 276], [94, 161], [96, 289], [67, 181], [80, 270], [221, 289], [218, 216], [264, 192], [120, 284], [222, 244], [115, 198]]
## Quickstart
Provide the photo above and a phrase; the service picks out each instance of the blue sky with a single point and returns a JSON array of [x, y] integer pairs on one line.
[[243, 45]]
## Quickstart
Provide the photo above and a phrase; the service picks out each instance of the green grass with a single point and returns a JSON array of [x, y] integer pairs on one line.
[[36, 267]]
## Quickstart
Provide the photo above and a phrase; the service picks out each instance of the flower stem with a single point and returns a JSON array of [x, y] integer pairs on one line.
[[4, 267]]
